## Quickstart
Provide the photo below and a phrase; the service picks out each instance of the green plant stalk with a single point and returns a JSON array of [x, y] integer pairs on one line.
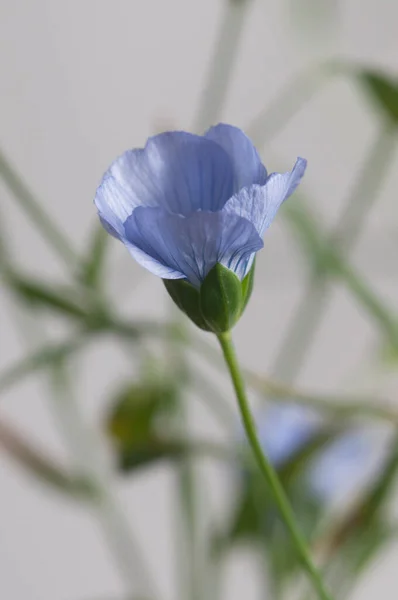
[[117, 531], [345, 405], [266, 468], [54, 236], [313, 241], [284, 107], [187, 521], [310, 311], [189, 559], [221, 64], [82, 446]]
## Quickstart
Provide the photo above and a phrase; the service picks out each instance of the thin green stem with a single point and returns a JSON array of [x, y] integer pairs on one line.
[[187, 520], [289, 101], [327, 257], [86, 457], [84, 451], [266, 468], [343, 404], [31, 206], [310, 311], [189, 559], [42, 358], [221, 64]]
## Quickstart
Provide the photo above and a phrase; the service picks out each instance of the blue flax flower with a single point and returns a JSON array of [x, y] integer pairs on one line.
[[340, 469], [186, 202]]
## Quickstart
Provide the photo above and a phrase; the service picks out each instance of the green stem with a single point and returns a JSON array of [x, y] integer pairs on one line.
[[266, 468], [31, 206], [221, 64], [284, 107], [309, 314], [189, 560], [86, 454]]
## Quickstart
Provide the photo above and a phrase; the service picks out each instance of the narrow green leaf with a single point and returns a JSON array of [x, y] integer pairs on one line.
[[38, 215], [295, 464], [383, 91], [41, 358], [41, 295], [326, 259], [94, 262], [136, 420], [135, 410]]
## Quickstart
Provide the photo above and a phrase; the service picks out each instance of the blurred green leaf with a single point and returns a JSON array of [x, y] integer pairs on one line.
[[43, 295], [351, 543], [141, 425], [326, 259], [94, 262], [294, 96], [38, 215], [314, 21], [343, 569], [378, 494], [383, 92], [133, 422], [337, 405], [135, 408], [136, 597], [42, 358], [142, 454]]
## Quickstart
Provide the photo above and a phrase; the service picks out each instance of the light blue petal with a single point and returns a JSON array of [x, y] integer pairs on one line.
[[259, 204], [113, 225], [347, 463], [177, 171], [111, 206], [193, 245], [153, 265], [284, 430], [247, 165]]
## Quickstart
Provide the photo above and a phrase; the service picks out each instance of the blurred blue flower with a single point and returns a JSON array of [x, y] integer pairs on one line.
[[348, 463], [338, 469], [285, 430], [186, 202]]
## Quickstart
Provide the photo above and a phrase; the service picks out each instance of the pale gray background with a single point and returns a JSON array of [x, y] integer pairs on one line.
[[80, 82]]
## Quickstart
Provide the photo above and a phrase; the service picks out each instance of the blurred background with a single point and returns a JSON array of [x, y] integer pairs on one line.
[[123, 471]]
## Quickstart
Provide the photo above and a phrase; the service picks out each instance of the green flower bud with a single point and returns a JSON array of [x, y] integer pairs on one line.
[[219, 302], [221, 299], [187, 298]]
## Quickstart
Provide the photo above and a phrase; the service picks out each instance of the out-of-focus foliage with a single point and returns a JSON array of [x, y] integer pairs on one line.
[[383, 91], [140, 422]]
